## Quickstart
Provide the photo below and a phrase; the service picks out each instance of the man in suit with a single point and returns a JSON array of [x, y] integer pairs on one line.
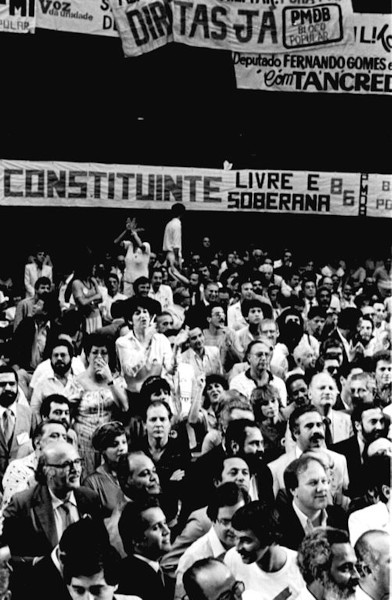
[[34, 270], [146, 537], [36, 518], [15, 421], [308, 430], [322, 394], [369, 424], [308, 485]]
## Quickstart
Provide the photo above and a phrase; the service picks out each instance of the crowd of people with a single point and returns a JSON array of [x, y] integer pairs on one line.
[[192, 423]]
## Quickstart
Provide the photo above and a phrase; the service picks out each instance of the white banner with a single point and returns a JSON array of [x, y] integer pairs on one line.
[[17, 16], [362, 68], [24, 183], [93, 17]]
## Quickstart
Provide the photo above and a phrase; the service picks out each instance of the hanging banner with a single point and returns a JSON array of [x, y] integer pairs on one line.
[[240, 26], [93, 17], [24, 183], [17, 16], [362, 68]]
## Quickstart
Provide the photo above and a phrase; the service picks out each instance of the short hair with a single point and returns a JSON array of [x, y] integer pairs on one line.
[[381, 355], [236, 432], [39, 429], [261, 518], [261, 340], [230, 400], [40, 475], [210, 307], [317, 311], [90, 563], [377, 470], [104, 435], [360, 408], [315, 555], [9, 369], [62, 342], [298, 466], [297, 413], [124, 465], [366, 547], [44, 410], [348, 318], [155, 403], [218, 467], [247, 305], [42, 281], [177, 209], [189, 578], [154, 385], [226, 494], [292, 378], [131, 525]]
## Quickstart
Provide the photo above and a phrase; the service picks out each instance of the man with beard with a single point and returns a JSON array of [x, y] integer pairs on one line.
[[15, 421], [308, 431], [61, 379], [369, 424], [322, 394], [225, 501], [258, 559], [328, 565], [224, 338], [57, 408], [382, 362]]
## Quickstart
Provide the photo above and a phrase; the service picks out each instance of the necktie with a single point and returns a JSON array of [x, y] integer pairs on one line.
[[328, 433], [8, 425], [65, 514], [161, 576]]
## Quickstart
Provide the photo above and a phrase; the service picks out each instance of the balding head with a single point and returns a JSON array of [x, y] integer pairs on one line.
[[60, 468], [208, 579], [373, 553], [323, 392]]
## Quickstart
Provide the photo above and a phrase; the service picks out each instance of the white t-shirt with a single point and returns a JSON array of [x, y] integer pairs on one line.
[[136, 261], [172, 235], [267, 585]]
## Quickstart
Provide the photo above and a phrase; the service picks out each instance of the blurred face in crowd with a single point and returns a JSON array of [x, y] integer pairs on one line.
[[309, 432], [235, 469], [142, 476], [336, 352], [218, 317], [379, 313], [90, 587], [158, 423], [246, 291], [43, 288], [140, 318], [331, 366], [372, 425], [380, 446], [113, 285], [365, 330], [383, 373], [143, 289], [323, 392], [309, 289], [359, 391], [255, 315], [342, 578], [223, 527], [213, 391], [8, 389], [217, 582], [269, 329], [315, 325], [156, 280], [259, 358], [298, 392], [117, 448], [270, 406], [52, 432], [196, 339], [59, 411], [211, 292], [164, 323], [311, 493], [60, 360]]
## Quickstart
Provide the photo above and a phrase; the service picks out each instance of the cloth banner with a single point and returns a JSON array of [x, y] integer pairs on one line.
[[25, 183], [92, 17], [17, 16], [240, 26], [362, 68]]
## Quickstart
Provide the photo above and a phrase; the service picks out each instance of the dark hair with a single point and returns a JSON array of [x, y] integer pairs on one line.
[[213, 378], [90, 563], [104, 435], [44, 410], [226, 494], [317, 311], [220, 465], [262, 340], [377, 471], [236, 432], [131, 525], [155, 403], [261, 518], [62, 342], [153, 385], [124, 468], [131, 305], [139, 281], [360, 408], [348, 318], [85, 533], [39, 429], [380, 355], [314, 556], [210, 307], [261, 393], [9, 369], [292, 378], [247, 305], [101, 340], [42, 281], [297, 413], [177, 209]]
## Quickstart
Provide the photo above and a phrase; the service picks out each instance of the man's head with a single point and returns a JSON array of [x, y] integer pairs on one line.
[[215, 315], [225, 500], [233, 469], [92, 575], [361, 388], [258, 354], [231, 407], [324, 297], [61, 357], [137, 475], [309, 289], [365, 330], [327, 563], [309, 485], [243, 438], [164, 323], [60, 467], [257, 530], [382, 362], [196, 339], [269, 329], [323, 392], [380, 446], [56, 407], [307, 428], [304, 356], [246, 290], [252, 311], [316, 321], [368, 422], [211, 579], [156, 279], [141, 286], [297, 389], [143, 529], [8, 386], [380, 313], [374, 558], [211, 291], [47, 432], [42, 287]]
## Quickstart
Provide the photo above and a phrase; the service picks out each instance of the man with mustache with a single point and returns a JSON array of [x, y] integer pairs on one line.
[[61, 379], [308, 483], [328, 565], [15, 421], [323, 393], [308, 431]]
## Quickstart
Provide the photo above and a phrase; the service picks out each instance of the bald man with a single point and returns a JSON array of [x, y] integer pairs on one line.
[[373, 553], [322, 394]]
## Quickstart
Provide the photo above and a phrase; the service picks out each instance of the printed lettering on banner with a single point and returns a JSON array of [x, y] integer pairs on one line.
[[17, 16], [26, 183], [143, 25], [362, 68], [92, 17]]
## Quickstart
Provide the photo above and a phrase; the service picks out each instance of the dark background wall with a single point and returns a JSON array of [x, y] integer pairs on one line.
[[74, 97]]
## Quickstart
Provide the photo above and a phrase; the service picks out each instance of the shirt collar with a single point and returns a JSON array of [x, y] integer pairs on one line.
[[308, 523], [153, 563], [248, 375], [11, 407], [216, 545], [56, 502]]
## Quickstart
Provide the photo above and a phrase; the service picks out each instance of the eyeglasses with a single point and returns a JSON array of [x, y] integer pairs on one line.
[[77, 462], [234, 593]]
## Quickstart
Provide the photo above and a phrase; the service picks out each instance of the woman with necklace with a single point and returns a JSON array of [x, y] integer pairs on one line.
[[110, 441], [100, 396]]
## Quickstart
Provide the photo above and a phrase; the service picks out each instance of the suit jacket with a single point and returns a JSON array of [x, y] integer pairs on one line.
[[341, 426], [22, 342], [31, 276], [350, 450], [29, 525], [47, 581], [138, 578], [277, 467], [292, 530], [20, 444]]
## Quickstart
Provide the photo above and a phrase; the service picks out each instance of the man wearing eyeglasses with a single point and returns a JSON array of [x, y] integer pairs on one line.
[[36, 518], [210, 579]]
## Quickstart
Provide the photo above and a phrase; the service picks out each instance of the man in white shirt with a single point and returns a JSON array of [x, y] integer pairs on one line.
[[172, 236], [225, 501], [328, 565], [258, 559], [322, 394], [159, 291], [204, 359], [373, 553]]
